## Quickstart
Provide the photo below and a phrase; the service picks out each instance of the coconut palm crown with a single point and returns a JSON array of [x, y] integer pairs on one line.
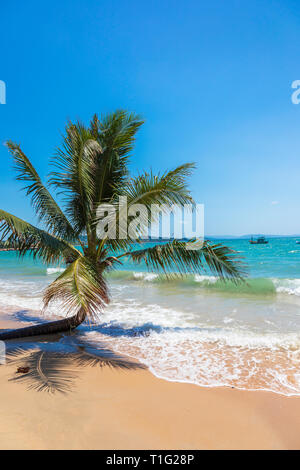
[[91, 168]]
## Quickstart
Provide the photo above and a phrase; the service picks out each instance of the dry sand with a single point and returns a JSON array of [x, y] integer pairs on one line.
[[132, 409]]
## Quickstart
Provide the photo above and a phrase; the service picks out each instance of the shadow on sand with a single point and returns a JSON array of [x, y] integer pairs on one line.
[[52, 363]]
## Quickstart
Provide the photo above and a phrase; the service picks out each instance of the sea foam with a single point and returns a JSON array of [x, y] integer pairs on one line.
[[187, 334]]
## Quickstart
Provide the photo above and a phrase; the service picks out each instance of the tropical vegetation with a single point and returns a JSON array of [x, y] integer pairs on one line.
[[91, 167]]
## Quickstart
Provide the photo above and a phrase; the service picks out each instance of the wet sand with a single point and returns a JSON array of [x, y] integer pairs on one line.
[[108, 408]]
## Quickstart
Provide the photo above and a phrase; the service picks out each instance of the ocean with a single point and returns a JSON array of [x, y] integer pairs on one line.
[[196, 330]]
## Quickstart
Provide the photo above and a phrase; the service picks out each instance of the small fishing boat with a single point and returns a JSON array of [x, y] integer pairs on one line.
[[258, 241]]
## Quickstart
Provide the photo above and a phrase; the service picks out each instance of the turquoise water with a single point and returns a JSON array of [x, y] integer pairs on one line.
[[279, 258], [197, 329]]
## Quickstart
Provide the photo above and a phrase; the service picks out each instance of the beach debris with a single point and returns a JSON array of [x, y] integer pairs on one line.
[[23, 370]]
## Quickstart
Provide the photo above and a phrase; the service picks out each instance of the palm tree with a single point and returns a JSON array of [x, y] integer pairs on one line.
[[91, 167]]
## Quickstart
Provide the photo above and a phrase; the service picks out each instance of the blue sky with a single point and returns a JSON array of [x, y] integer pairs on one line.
[[212, 79]]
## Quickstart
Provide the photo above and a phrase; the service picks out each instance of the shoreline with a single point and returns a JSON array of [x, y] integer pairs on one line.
[[110, 408]]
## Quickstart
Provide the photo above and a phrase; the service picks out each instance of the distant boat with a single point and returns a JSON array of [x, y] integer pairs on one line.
[[298, 243], [258, 241]]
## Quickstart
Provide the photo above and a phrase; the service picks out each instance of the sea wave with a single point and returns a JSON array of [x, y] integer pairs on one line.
[[28, 287], [287, 286], [256, 286], [207, 340], [55, 270], [226, 352]]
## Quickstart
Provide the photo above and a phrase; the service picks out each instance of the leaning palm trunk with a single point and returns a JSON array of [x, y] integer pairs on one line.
[[59, 326], [92, 169]]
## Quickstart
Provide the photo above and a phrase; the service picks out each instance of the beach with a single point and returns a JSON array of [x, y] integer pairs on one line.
[[187, 364], [132, 409], [149, 229], [196, 329]]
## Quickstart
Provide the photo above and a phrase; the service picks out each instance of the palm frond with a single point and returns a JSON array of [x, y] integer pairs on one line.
[[116, 134], [27, 238], [166, 191], [176, 256], [80, 287], [168, 188], [224, 262], [76, 161], [45, 206]]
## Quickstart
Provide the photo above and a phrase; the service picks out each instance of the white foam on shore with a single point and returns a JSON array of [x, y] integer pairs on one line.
[[55, 270], [201, 278], [176, 347], [182, 345], [287, 286], [145, 276], [208, 359]]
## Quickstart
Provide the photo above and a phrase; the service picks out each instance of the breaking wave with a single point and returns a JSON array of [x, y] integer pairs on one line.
[[254, 286]]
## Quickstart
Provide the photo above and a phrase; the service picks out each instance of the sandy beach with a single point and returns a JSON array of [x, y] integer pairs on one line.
[[132, 409], [149, 227]]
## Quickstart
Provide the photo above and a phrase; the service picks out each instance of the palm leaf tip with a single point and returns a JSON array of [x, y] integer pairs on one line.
[[42, 201], [25, 238], [224, 262]]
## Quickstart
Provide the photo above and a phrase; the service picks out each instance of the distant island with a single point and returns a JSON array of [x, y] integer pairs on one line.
[[5, 246]]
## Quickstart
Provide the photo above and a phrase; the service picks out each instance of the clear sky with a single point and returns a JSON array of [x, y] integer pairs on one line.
[[212, 79]]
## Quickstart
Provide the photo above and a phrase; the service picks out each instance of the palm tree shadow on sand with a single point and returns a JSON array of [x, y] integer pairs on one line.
[[53, 364]]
